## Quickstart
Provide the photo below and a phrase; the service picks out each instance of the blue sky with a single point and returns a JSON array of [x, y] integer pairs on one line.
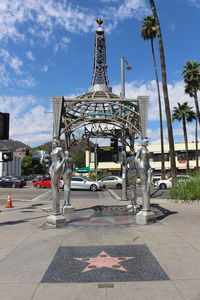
[[47, 49]]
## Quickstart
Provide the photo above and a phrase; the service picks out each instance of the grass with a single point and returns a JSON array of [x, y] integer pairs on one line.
[[188, 189]]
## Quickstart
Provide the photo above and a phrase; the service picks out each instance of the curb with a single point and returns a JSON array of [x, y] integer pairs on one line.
[[175, 200]]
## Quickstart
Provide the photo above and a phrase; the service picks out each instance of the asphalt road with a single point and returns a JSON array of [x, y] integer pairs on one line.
[[154, 192], [29, 193]]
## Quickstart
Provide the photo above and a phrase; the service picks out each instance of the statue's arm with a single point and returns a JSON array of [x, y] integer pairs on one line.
[[137, 159]]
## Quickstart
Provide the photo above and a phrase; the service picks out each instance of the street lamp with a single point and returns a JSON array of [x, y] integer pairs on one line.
[[124, 163], [128, 67]]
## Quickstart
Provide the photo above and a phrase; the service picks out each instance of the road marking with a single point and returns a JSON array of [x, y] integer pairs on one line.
[[113, 194]]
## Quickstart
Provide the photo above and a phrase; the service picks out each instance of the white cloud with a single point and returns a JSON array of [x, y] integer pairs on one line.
[[4, 78], [42, 17], [16, 63], [12, 61], [127, 9], [27, 82], [29, 122], [176, 94], [63, 44], [44, 68], [37, 22], [195, 2], [30, 56]]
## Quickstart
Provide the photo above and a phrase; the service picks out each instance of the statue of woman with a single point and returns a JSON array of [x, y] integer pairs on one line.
[[144, 168], [56, 170], [67, 174], [132, 176]]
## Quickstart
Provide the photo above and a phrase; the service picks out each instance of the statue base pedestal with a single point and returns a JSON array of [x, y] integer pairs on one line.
[[133, 208], [68, 209], [145, 217], [57, 221]]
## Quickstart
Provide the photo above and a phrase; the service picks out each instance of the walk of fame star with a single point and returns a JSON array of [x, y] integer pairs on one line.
[[104, 260]]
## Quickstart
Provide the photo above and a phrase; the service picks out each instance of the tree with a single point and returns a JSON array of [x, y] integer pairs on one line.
[[149, 32], [191, 75], [31, 165], [165, 93], [184, 113], [79, 158]]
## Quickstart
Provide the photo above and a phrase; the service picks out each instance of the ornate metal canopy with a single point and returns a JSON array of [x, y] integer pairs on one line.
[[99, 105]]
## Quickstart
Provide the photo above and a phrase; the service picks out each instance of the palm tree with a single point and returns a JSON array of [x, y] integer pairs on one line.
[[196, 142], [184, 113], [191, 75], [165, 93], [149, 32]]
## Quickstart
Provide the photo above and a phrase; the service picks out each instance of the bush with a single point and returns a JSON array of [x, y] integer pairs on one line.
[[188, 189]]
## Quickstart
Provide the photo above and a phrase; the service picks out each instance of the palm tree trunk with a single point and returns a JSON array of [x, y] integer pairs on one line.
[[197, 105], [196, 142], [186, 144], [160, 115], [165, 92]]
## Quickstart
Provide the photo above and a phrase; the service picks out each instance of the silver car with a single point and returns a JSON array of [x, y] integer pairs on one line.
[[84, 183], [112, 181]]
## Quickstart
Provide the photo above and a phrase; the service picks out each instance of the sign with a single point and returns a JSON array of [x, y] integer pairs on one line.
[[83, 170], [106, 148]]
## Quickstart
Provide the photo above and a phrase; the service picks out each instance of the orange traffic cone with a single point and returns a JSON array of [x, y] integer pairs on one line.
[[9, 202]]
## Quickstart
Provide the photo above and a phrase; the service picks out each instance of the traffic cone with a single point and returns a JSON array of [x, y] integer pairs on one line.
[[9, 202]]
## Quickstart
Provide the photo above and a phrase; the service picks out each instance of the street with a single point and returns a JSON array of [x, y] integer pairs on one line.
[[30, 193]]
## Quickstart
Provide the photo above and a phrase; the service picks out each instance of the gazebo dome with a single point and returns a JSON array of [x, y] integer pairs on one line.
[[94, 95]]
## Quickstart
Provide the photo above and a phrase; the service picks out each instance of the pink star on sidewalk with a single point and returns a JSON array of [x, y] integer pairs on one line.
[[104, 260]]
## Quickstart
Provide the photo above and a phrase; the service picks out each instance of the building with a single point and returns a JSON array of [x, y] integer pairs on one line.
[[44, 157], [9, 168], [106, 157], [155, 157]]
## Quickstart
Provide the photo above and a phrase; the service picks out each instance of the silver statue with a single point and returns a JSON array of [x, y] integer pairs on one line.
[[145, 172], [67, 174], [132, 176], [56, 170]]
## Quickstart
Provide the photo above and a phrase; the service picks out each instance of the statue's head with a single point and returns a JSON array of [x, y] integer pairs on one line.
[[132, 152], [66, 153], [55, 143], [145, 142]]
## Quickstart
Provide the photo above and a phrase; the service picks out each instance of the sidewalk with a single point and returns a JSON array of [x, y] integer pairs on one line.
[[158, 261]]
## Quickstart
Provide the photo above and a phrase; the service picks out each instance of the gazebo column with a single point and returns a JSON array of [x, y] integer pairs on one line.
[[87, 153]]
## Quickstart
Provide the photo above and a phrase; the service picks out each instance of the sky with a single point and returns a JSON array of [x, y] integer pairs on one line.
[[47, 49]]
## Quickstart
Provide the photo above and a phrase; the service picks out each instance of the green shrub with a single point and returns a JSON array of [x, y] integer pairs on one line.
[[188, 189]]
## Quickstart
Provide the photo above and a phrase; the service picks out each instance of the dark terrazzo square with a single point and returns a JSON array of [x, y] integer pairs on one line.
[[144, 266]]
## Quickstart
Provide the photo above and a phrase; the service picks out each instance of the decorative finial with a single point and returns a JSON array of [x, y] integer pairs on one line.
[[99, 22]]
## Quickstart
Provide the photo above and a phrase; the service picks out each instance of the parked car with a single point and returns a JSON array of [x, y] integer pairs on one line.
[[167, 183], [44, 182], [36, 178], [112, 182], [14, 182], [84, 183]]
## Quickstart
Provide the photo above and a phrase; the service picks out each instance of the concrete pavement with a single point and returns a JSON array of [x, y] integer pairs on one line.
[[27, 251]]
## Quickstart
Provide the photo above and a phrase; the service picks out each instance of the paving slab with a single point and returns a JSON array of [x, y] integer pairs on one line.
[[189, 289], [13, 291], [149, 290], [70, 291]]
